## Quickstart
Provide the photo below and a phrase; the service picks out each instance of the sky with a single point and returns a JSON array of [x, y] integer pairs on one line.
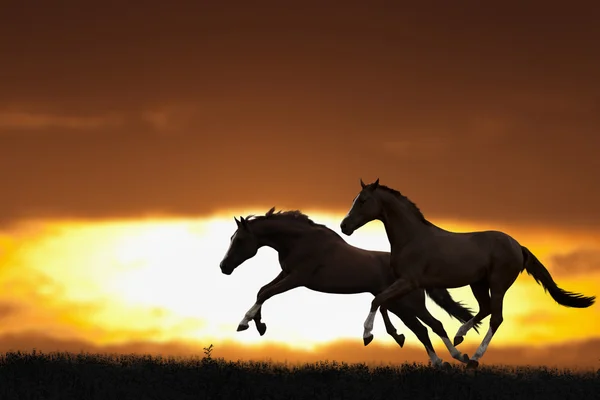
[[130, 135]]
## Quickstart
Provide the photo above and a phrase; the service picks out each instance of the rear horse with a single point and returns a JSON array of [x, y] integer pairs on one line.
[[425, 256]]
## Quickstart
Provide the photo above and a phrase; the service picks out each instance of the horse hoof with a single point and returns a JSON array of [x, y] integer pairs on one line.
[[472, 364], [400, 339], [261, 328], [368, 340], [242, 327], [458, 340]]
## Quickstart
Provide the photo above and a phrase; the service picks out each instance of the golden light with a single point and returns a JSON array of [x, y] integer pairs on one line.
[[159, 280]]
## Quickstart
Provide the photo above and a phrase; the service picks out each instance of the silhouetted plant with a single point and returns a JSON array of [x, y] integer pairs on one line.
[[208, 352]]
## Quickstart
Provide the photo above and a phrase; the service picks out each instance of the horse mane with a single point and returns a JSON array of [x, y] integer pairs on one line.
[[289, 215], [405, 199]]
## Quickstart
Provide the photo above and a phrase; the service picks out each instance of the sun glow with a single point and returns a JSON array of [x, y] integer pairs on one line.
[[160, 280]]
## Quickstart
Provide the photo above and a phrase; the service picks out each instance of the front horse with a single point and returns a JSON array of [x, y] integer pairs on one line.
[[425, 256], [314, 256]]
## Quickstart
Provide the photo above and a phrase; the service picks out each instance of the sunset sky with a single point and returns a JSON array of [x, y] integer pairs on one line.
[[130, 136]]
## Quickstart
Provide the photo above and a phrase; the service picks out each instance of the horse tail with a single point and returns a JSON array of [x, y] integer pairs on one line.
[[456, 309], [542, 276]]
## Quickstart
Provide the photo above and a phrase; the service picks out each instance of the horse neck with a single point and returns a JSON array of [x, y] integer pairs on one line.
[[401, 224], [276, 234]]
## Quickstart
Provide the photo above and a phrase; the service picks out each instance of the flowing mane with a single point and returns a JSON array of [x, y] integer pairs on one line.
[[406, 200], [289, 215]]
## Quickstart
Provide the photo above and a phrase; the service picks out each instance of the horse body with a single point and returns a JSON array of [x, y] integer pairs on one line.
[[425, 256], [315, 257], [372, 274], [445, 259]]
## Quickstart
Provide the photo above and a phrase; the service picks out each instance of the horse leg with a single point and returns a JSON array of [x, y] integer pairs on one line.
[[438, 328], [398, 289], [496, 300], [288, 282], [481, 291], [390, 328], [260, 326], [412, 323]]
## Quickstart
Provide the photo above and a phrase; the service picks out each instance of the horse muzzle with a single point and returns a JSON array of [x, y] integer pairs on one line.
[[225, 269], [346, 228]]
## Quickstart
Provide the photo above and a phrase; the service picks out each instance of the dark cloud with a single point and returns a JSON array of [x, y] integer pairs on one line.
[[7, 309], [576, 355], [473, 112], [580, 262]]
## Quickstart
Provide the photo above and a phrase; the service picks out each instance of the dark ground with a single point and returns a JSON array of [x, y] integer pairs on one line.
[[95, 376]]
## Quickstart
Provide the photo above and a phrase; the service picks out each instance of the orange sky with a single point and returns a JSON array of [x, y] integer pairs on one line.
[[129, 137]]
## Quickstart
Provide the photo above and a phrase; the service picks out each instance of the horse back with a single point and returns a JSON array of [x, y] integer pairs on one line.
[[450, 258], [338, 267]]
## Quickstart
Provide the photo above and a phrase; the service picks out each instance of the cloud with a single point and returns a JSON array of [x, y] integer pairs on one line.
[[539, 318], [179, 117], [579, 262], [135, 174], [37, 121], [419, 148], [8, 309], [158, 119], [40, 121], [426, 141]]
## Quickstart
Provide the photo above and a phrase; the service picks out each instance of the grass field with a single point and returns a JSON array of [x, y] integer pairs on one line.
[[99, 376]]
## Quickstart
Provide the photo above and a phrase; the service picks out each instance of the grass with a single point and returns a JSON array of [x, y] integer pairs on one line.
[[104, 376]]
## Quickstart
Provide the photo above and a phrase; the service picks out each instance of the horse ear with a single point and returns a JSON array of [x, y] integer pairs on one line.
[[271, 211], [237, 222], [243, 222], [376, 183], [362, 183]]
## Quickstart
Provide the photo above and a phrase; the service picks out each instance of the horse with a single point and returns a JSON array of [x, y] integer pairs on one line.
[[313, 256], [425, 256]]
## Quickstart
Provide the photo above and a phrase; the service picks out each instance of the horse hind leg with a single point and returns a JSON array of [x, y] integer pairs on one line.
[[496, 304], [390, 328], [420, 331], [481, 292], [438, 328]]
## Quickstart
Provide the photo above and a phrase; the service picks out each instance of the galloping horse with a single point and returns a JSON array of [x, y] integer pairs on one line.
[[314, 256], [425, 256]]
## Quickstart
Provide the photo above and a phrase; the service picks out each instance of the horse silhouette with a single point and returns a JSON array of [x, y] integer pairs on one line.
[[425, 256]]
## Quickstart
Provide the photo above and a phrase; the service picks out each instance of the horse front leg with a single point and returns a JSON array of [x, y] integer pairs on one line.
[[396, 290], [260, 326], [288, 282]]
